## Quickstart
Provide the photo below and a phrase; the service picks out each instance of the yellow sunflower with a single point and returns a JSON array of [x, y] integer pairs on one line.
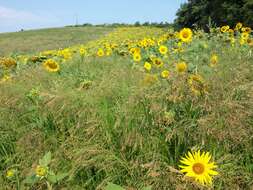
[[10, 173], [238, 26], [214, 60], [250, 41], [181, 67], [100, 53], [51, 65], [7, 62], [157, 62], [147, 66], [41, 171], [245, 35], [225, 28], [186, 35], [82, 51], [165, 74], [163, 50], [197, 84], [137, 57], [246, 30], [198, 166]]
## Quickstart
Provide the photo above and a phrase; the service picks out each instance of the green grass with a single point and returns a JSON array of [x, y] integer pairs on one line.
[[48, 39], [102, 124]]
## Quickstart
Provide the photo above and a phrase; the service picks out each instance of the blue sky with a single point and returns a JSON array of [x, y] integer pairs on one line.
[[30, 14]]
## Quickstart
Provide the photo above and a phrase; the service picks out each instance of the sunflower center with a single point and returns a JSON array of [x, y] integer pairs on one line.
[[198, 168], [185, 35], [52, 65]]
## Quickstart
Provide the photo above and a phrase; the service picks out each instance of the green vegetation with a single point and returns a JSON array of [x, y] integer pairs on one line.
[[46, 39], [105, 120], [198, 13]]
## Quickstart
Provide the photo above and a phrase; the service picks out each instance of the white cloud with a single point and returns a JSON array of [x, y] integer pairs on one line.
[[13, 20]]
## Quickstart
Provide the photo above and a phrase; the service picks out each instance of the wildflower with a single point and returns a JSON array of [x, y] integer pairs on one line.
[[8, 62], [245, 35], [157, 62], [238, 26], [185, 35], [197, 85], [250, 41], [10, 173], [41, 171], [147, 66], [82, 51], [100, 53], [246, 30], [137, 57], [225, 29], [199, 167], [51, 65], [181, 67], [135, 50], [66, 53], [163, 50], [165, 74], [214, 60]]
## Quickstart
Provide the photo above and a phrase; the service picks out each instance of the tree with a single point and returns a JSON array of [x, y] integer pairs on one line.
[[198, 13]]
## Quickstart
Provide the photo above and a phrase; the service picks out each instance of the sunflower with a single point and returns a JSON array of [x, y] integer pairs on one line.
[[246, 30], [238, 26], [163, 50], [157, 62], [225, 29], [165, 74], [250, 41], [100, 53], [197, 85], [10, 173], [198, 166], [245, 35], [41, 171], [214, 60], [82, 51], [8, 62], [51, 65], [181, 67], [147, 66], [137, 57], [186, 35]]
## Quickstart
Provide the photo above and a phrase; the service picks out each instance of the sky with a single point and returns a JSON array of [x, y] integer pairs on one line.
[[31, 14]]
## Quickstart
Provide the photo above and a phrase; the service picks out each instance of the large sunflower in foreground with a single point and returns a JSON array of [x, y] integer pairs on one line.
[[51, 65], [186, 35], [198, 166]]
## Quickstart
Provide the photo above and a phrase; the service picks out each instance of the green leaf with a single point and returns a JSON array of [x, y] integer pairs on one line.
[[52, 178], [112, 186], [31, 179], [147, 188], [61, 176], [45, 161]]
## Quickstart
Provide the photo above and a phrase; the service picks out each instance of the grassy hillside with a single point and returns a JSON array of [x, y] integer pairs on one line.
[[46, 39], [124, 110]]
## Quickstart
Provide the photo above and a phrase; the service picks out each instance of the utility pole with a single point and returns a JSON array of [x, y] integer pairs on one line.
[[76, 19]]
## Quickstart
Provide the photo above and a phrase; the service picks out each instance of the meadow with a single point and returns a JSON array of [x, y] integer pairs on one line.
[[125, 108]]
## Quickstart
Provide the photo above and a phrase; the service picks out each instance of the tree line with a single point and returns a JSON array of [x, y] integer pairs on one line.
[[202, 13]]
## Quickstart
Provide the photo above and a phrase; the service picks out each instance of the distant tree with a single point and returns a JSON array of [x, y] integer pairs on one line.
[[199, 12], [137, 23]]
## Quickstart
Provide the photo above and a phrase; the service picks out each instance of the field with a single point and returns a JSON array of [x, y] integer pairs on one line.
[[46, 39], [81, 108]]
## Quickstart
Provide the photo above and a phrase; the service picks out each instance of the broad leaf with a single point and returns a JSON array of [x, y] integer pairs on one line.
[[45, 161]]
